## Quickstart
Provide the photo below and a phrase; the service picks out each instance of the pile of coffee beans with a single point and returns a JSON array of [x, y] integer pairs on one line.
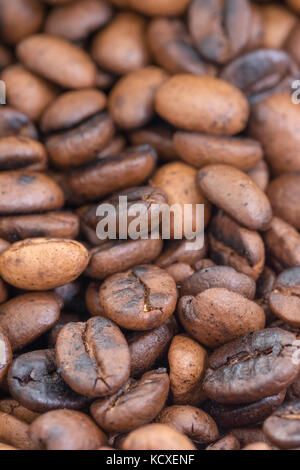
[[146, 343]]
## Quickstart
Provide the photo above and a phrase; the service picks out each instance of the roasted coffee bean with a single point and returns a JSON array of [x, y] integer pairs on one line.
[[220, 29], [231, 416], [22, 153], [219, 276], [178, 181], [20, 18], [282, 242], [180, 272], [187, 361], [189, 102], [93, 357], [26, 317], [14, 408], [137, 403], [5, 355], [28, 192], [248, 435], [148, 348], [77, 20], [131, 101], [200, 150], [217, 316], [14, 432], [236, 246], [294, 4], [260, 174], [81, 129], [283, 427], [261, 73], [14, 123], [159, 137], [116, 256], [173, 49], [278, 23], [108, 175], [66, 430], [57, 60], [142, 298], [237, 195], [191, 421], [26, 91], [51, 225], [252, 367], [284, 301], [157, 437], [129, 52], [228, 442], [70, 293], [3, 291], [283, 193], [43, 263], [34, 380], [274, 123], [64, 319], [92, 300], [180, 252]]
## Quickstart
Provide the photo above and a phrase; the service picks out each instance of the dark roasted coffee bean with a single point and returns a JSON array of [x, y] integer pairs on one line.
[[219, 276], [66, 430], [35, 381], [140, 299], [93, 357], [252, 367], [137, 403], [283, 427]]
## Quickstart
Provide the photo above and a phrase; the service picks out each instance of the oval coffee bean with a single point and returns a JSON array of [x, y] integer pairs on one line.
[[189, 102], [237, 195], [140, 299], [5, 355], [284, 301], [282, 243], [219, 276], [217, 316], [200, 150], [178, 251], [26, 317], [134, 405], [236, 246], [252, 367], [180, 272], [34, 380], [43, 263], [147, 348], [14, 123], [93, 357], [157, 437], [28, 192], [131, 101], [22, 152], [187, 361], [283, 427], [57, 60], [284, 194], [66, 430], [191, 421], [20, 18]]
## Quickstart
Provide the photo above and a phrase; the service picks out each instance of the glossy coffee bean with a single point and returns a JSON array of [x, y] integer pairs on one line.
[[189, 102], [252, 367], [282, 428], [187, 362], [157, 437], [235, 246], [137, 403], [93, 357], [219, 276], [26, 317], [140, 299], [66, 430], [191, 421], [57, 60], [5, 355], [35, 381], [43, 263], [237, 195], [217, 316], [148, 348]]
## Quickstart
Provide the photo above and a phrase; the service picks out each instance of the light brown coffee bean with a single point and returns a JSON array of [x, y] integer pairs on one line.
[[43, 263], [278, 23], [190, 102], [157, 437]]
